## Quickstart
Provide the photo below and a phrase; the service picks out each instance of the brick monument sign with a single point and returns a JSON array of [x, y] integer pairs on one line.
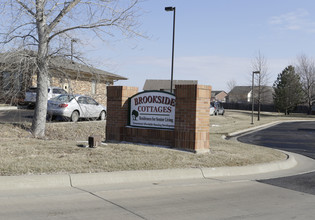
[[192, 120]]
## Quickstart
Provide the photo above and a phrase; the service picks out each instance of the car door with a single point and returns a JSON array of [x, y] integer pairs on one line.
[[83, 106], [92, 107]]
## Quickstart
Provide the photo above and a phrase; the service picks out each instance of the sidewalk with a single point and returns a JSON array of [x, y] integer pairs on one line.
[[5, 108], [295, 164]]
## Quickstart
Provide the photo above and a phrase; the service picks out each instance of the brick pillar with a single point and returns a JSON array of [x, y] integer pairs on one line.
[[192, 119], [117, 111]]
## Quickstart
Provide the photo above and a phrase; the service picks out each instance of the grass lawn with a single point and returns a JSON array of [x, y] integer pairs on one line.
[[64, 149]]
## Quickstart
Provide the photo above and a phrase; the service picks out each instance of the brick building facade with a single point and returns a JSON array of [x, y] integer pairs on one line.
[[17, 73]]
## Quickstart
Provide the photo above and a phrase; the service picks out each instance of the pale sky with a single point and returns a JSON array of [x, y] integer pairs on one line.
[[215, 41]]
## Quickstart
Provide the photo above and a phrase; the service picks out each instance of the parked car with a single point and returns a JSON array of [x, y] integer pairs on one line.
[[211, 109], [31, 93], [74, 107], [218, 108]]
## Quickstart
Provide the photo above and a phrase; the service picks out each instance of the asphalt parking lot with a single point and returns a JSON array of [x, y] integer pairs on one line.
[[16, 115], [297, 137], [26, 115]]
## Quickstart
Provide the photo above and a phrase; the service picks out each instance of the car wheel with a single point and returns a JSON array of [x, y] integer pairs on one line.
[[102, 116], [49, 117], [75, 116]]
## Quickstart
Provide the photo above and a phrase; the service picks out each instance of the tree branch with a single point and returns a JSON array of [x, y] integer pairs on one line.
[[62, 13], [26, 8]]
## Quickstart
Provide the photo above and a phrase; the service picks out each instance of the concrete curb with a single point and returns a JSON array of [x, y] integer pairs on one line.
[[134, 176], [92, 179], [251, 169], [260, 127]]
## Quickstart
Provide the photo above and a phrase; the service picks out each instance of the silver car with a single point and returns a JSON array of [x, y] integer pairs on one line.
[[31, 93], [211, 109], [75, 107], [218, 108]]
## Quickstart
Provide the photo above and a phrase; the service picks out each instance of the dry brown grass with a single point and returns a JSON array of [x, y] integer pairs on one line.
[[63, 151]]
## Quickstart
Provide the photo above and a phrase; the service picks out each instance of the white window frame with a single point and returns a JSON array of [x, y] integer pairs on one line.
[[93, 87]]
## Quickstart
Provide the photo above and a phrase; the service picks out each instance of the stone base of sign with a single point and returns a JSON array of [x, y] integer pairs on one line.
[[117, 111], [192, 119], [149, 136]]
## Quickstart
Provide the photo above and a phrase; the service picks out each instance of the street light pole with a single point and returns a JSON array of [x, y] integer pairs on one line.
[[172, 68], [259, 97], [254, 72]]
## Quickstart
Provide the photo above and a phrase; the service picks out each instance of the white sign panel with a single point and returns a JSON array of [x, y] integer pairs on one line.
[[152, 109]]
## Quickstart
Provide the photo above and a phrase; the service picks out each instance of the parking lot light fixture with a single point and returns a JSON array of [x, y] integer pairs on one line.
[[254, 72], [172, 68]]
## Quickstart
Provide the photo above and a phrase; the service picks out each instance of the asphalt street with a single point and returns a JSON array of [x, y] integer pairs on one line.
[[16, 115], [297, 137]]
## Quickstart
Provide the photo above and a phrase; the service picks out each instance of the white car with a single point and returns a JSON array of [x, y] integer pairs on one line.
[[212, 109], [218, 108], [31, 93], [74, 107]]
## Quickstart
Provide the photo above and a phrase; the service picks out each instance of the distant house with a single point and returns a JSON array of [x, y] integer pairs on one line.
[[243, 94], [165, 85], [17, 73], [219, 96]]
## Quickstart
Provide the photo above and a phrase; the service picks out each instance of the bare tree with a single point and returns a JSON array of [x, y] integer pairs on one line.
[[259, 63], [231, 84], [13, 77], [306, 70], [46, 27]]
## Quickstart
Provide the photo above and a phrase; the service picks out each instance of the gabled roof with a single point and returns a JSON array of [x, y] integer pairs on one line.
[[240, 90], [66, 64], [160, 84], [216, 92], [57, 63]]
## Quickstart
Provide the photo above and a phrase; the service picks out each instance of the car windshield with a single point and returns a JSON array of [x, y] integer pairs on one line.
[[63, 98], [59, 91], [216, 104]]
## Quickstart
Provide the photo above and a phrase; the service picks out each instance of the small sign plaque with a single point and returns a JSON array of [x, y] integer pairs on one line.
[[152, 109]]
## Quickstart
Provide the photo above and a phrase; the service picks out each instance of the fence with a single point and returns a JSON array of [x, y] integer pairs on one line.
[[263, 107]]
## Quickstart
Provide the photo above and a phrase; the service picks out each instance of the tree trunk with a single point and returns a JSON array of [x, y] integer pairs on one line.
[[39, 118]]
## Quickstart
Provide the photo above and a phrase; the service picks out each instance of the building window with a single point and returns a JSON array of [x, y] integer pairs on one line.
[[93, 87], [65, 86]]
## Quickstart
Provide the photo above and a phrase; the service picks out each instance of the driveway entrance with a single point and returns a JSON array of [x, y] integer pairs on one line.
[[297, 137]]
